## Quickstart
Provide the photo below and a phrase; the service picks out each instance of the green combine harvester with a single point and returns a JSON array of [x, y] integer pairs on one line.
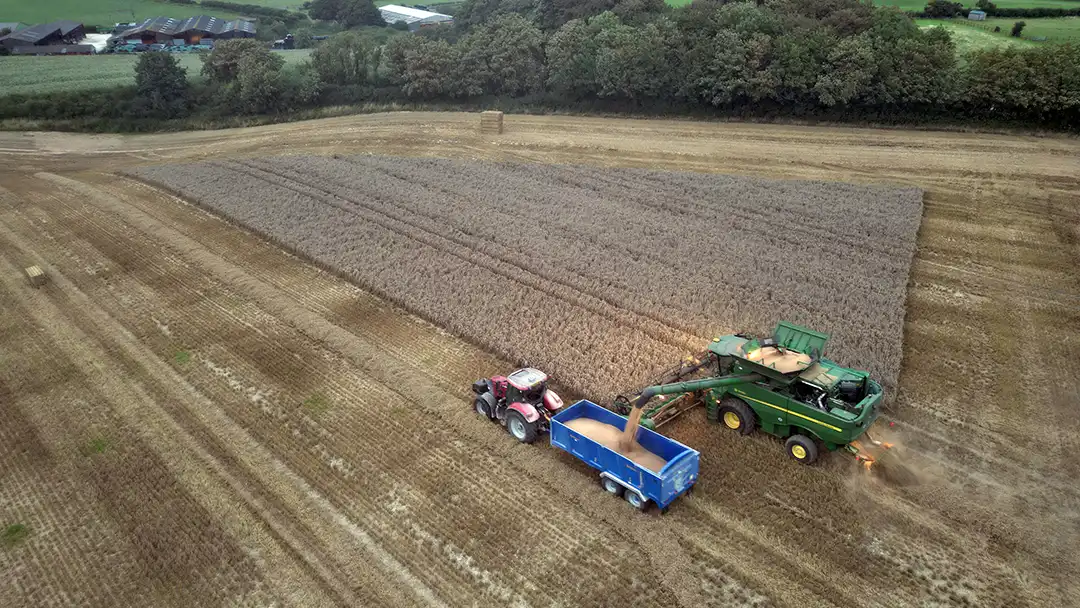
[[782, 385]]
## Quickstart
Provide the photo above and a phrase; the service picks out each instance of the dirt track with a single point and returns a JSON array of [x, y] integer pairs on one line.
[[191, 416]]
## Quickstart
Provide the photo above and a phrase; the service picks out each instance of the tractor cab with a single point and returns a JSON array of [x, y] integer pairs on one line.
[[526, 386]]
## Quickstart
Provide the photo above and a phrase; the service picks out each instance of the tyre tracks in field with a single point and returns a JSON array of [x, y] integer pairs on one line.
[[772, 553], [237, 466], [446, 586], [502, 265]]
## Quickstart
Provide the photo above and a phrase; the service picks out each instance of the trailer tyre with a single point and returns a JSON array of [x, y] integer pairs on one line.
[[521, 429], [610, 486], [737, 416], [802, 449], [636, 500]]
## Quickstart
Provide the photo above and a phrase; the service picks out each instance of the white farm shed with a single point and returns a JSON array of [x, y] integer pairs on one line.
[[414, 17]]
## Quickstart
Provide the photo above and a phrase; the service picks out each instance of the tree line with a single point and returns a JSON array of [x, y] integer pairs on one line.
[[838, 59]]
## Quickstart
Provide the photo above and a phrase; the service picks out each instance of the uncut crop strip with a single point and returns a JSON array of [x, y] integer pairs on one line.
[[601, 276]]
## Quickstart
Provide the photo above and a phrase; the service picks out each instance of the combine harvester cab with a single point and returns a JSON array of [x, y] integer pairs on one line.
[[668, 471]]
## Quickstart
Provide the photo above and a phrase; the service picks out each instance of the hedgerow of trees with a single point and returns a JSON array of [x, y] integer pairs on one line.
[[843, 59]]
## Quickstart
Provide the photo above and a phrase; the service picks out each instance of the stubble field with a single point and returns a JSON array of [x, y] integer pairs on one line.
[[602, 277], [193, 416]]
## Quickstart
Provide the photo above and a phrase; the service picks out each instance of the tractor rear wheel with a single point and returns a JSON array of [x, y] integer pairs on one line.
[[802, 449], [737, 416], [521, 429], [482, 408]]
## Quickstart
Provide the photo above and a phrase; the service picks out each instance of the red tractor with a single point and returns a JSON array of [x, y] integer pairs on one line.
[[522, 402]]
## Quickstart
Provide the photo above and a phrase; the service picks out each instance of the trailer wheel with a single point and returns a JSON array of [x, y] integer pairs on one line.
[[610, 486], [522, 430], [802, 449], [636, 500], [737, 416], [482, 407]]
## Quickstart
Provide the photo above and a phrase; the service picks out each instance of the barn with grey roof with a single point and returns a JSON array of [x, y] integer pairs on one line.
[[193, 30]]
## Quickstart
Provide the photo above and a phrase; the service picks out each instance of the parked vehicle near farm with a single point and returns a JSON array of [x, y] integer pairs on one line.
[[620, 474]]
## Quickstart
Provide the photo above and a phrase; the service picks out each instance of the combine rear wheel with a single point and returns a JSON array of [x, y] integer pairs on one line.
[[521, 429], [802, 449], [737, 416]]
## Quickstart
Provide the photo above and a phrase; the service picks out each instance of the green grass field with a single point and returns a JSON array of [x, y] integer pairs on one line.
[[23, 75], [918, 5], [108, 12], [100, 12], [969, 34], [970, 38]]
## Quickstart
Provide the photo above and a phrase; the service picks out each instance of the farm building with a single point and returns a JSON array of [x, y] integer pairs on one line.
[[45, 34], [11, 27], [54, 49], [193, 30], [414, 17], [977, 15]]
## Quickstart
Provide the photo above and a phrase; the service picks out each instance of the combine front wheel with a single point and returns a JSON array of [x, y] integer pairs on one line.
[[802, 448], [737, 416]]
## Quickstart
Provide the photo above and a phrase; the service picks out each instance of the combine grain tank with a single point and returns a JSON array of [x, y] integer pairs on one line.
[[657, 469]]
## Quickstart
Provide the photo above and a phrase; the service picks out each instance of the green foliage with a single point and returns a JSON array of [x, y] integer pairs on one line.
[[99, 445], [944, 8], [316, 404], [1044, 80], [985, 5], [426, 68], [326, 10], [222, 65], [182, 357], [14, 534], [345, 59], [350, 13], [504, 57], [160, 85], [571, 56], [305, 85], [247, 76], [258, 84], [1017, 28]]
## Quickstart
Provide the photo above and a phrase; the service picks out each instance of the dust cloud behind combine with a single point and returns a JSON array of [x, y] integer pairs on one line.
[[193, 416]]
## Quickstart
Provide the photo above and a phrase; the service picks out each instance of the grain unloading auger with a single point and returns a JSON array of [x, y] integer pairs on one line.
[[779, 384]]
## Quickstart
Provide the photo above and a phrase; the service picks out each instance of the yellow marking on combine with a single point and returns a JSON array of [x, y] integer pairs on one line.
[[824, 424]]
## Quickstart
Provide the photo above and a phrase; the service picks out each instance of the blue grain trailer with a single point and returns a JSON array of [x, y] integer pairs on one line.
[[620, 475]]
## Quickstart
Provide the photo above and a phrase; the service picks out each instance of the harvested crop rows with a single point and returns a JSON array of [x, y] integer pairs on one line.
[[193, 416], [600, 276]]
